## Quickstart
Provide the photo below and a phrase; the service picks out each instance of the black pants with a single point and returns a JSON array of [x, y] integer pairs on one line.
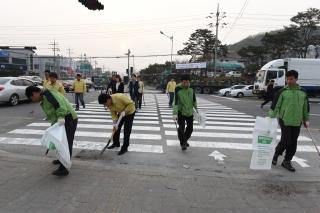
[[288, 141], [265, 102], [140, 100], [184, 133], [71, 127], [127, 121], [134, 98], [171, 97], [79, 96]]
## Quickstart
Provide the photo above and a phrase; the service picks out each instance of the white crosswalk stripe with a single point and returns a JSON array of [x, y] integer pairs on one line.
[[225, 128], [154, 128]]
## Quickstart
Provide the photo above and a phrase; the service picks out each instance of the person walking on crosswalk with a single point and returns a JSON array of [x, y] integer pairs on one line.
[[133, 89], [58, 110], [122, 106], [171, 86], [79, 88], [140, 91], [184, 103], [55, 85], [291, 106]]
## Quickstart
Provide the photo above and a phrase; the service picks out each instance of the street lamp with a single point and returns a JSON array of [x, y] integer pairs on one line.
[[171, 38]]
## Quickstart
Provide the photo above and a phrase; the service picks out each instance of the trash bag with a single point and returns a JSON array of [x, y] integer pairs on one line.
[[55, 139], [263, 143], [200, 117]]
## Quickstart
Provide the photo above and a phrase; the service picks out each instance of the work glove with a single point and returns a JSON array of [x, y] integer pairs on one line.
[[175, 117], [123, 114], [306, 124], [61, 121]]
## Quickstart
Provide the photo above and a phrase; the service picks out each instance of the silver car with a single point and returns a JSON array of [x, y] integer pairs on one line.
[[12, 89]]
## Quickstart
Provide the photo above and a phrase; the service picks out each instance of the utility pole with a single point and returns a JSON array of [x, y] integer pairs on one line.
[[128, 62], [133, 62], [216, 41], [55, 49], [69, 52]]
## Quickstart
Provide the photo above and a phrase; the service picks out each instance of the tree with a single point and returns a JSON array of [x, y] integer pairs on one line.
[[201, 46], [254, 57], [305, 25], [278, 43]]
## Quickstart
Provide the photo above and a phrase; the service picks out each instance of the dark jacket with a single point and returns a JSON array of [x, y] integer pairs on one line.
[[120, 88], [133, 88], [112, 86]]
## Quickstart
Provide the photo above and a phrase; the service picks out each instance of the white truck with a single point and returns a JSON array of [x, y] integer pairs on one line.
[[308, 69]]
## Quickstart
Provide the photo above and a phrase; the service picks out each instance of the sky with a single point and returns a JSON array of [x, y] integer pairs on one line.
[[135, 25]]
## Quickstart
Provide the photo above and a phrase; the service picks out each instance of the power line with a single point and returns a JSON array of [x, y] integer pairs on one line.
[[236, 19]]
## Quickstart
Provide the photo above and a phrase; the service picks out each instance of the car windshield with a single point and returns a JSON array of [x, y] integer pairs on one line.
[[3, 80], [260, 75]]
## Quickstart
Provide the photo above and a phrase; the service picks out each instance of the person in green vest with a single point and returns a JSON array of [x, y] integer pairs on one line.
[[58, 110], [291, 106], [184, 103]]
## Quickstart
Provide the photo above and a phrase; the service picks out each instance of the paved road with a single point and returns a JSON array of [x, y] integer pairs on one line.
[[155, 176]]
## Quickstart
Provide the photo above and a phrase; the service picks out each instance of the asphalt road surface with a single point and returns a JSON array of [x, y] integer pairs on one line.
[[213, 175]]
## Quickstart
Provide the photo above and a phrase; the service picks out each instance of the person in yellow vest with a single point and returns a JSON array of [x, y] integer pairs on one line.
[[140, 91], [46, 81], [171, 86], [79, 88], [122, 106], [55, 85]]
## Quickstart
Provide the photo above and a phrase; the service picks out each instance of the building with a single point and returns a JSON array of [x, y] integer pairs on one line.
[[63, 66], [15, 61]]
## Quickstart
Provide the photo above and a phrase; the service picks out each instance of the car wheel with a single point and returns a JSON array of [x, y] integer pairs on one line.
[[14, 100], [198, 90], [240, 95], [206, 90], [227, 94]]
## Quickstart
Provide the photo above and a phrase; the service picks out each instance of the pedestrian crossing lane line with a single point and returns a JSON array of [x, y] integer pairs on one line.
[[88, 134], [227, 135], [85, 145]]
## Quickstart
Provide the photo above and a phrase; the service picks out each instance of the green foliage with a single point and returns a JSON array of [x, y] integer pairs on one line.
[[201, 46]]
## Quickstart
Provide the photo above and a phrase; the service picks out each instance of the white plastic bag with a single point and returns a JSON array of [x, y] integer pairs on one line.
[[200, 117], [55, 139], [263, 143]]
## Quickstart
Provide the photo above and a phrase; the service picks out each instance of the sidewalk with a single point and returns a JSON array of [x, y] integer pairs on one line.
[[26, 185]]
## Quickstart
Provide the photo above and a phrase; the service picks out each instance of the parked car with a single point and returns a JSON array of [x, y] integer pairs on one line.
[[12, 89], [89, 84], [245, 91], [234, 74], [67, 84], [227, 91], [32, 78]]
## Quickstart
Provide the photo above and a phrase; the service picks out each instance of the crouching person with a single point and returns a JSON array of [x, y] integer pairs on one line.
[[119, 105], [58, 110]]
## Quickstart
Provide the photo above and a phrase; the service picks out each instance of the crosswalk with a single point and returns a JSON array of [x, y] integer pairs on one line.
[[154, 130]]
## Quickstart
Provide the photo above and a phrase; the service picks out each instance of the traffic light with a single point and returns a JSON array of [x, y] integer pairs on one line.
[[131, 70], [127, 71], [92, 4]]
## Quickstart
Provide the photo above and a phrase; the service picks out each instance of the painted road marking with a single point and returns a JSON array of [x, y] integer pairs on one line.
[[88, 134], [106, 113], [216, 122], [216, 118], [99, 126], [137, 117], [210, 113], [231, 99], [234, 146], [300, 161], [217, 155], [230, 128], [227, 135], [158, 149], [110, 121], [214, 115]]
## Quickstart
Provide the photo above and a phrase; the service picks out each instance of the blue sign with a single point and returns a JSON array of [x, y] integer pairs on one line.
[[4, 54]]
